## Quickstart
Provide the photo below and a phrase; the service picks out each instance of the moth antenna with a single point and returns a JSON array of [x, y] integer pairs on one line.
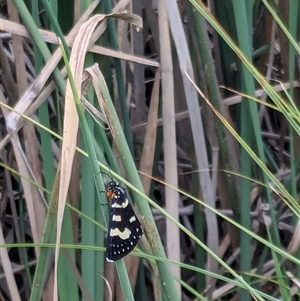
[[106, 175]]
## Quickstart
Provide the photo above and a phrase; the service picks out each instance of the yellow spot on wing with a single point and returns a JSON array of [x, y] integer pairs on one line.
[[116, 218], [123, 205], [124, 235], [132, 219]]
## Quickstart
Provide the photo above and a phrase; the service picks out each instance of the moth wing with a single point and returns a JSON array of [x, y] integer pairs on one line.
[[124, 229]]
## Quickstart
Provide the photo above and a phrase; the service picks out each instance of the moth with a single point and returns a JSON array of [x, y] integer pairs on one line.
[[124, 228]]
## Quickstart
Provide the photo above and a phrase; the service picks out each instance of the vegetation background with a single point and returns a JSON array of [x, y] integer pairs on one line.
[[195, 104]]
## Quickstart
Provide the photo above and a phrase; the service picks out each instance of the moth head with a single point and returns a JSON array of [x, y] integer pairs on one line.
[[110, 189]]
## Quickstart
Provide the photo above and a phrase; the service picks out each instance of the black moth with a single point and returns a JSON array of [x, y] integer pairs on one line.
[[124, 228]]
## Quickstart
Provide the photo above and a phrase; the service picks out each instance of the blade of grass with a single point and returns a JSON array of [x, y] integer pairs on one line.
[[282, 281], [44, 260], [119, 74], [250, 133], [169, 138], [90, 269], [8, 271], [201, 151]]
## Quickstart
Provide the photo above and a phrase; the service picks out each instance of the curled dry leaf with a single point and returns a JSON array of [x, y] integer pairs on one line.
[[127, 16]]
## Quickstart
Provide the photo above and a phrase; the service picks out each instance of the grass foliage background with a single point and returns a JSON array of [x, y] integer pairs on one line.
[[193, 106]]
